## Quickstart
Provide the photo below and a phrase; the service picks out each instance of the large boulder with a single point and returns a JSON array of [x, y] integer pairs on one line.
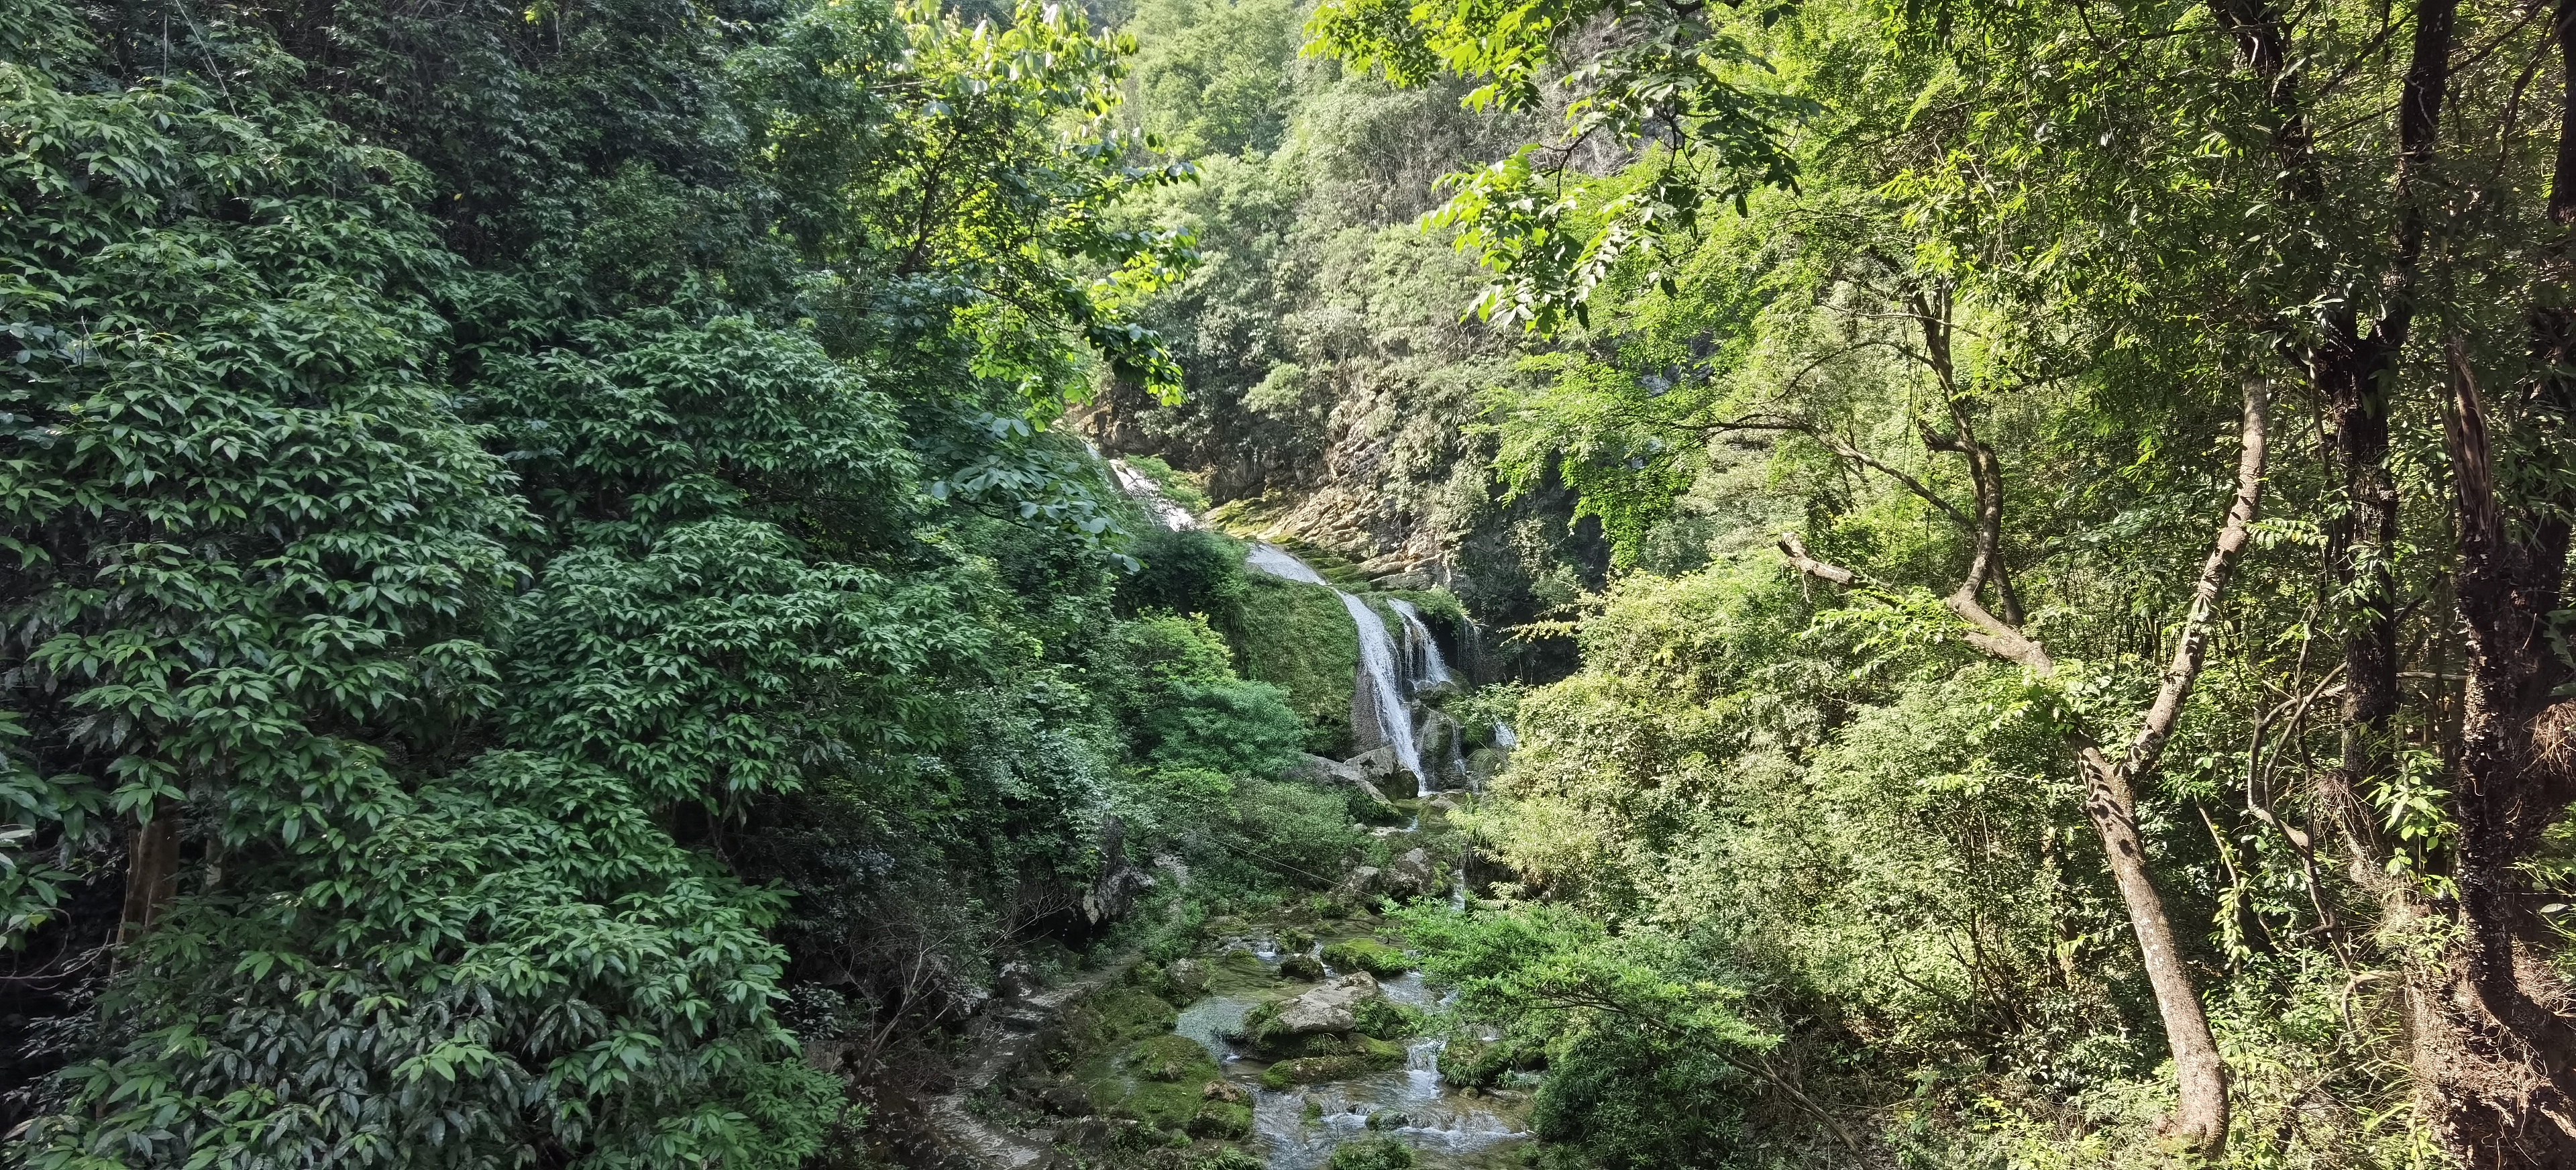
[[1379, 767], [1412, 875], [1324, 773], [1442, 752], [1330, 1008]]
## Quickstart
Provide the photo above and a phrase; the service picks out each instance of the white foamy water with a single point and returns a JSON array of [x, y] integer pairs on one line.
[[1278, 562], [1143, 487], [1382, 690], [1421, 650], [1378, 690]]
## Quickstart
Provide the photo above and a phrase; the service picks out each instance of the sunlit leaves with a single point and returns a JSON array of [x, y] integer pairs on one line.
[[1685, 86]]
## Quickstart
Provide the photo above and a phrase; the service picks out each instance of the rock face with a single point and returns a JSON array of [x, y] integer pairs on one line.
[[1329, 1008]]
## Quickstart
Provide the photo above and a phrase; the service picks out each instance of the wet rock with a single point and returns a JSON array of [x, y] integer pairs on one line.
[[1324, 773], [1300, 967], [1388, 1119], [1440, 750], [1090, 1133], [1328, 1008]]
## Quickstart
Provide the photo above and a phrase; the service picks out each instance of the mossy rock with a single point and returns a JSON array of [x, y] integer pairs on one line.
[[1157, 1081], [1300, 638], [1387, 1020], [1303, 968], [1118, 1015], [1223, 1121], [1367, 954], [1261, 1031], [1260, 1024], [1169, 1058], [1483, 1063], [1155, 979], [1236, 972], [1367, 1055], [1294, 941]]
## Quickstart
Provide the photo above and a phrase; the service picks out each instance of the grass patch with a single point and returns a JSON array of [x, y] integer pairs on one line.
[[1367, 954]]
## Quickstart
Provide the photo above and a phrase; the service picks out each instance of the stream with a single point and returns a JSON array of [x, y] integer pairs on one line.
[[1298, 1128]]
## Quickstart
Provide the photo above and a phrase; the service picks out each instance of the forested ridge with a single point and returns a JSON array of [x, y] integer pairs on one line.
[[1209, 584]]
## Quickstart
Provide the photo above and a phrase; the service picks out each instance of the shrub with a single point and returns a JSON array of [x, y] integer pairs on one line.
[[1371, 1154]]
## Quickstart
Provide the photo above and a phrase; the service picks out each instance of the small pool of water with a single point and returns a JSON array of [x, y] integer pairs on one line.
[[1211, 1020]]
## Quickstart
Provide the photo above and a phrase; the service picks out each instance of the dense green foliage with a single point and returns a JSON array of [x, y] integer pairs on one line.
[[537, 560], [552, 613], [1977, 302]]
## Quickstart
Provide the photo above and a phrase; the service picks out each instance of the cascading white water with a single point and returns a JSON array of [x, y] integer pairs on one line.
[[1276, 561], [1380, 689], [1421, 650], [1143, 487], [1385, 690]]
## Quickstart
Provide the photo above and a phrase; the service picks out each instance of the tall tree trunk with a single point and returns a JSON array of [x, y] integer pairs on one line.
[[2495, 1050], [2495, 1041], [2199, 1123]]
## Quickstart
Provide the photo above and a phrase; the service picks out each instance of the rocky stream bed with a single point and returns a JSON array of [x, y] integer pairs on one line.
[[1271, 1046]]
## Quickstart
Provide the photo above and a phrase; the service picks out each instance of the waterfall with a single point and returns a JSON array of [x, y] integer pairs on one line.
[[1378, 690], [1385, 691], [1421, 651], [1143, 487]]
